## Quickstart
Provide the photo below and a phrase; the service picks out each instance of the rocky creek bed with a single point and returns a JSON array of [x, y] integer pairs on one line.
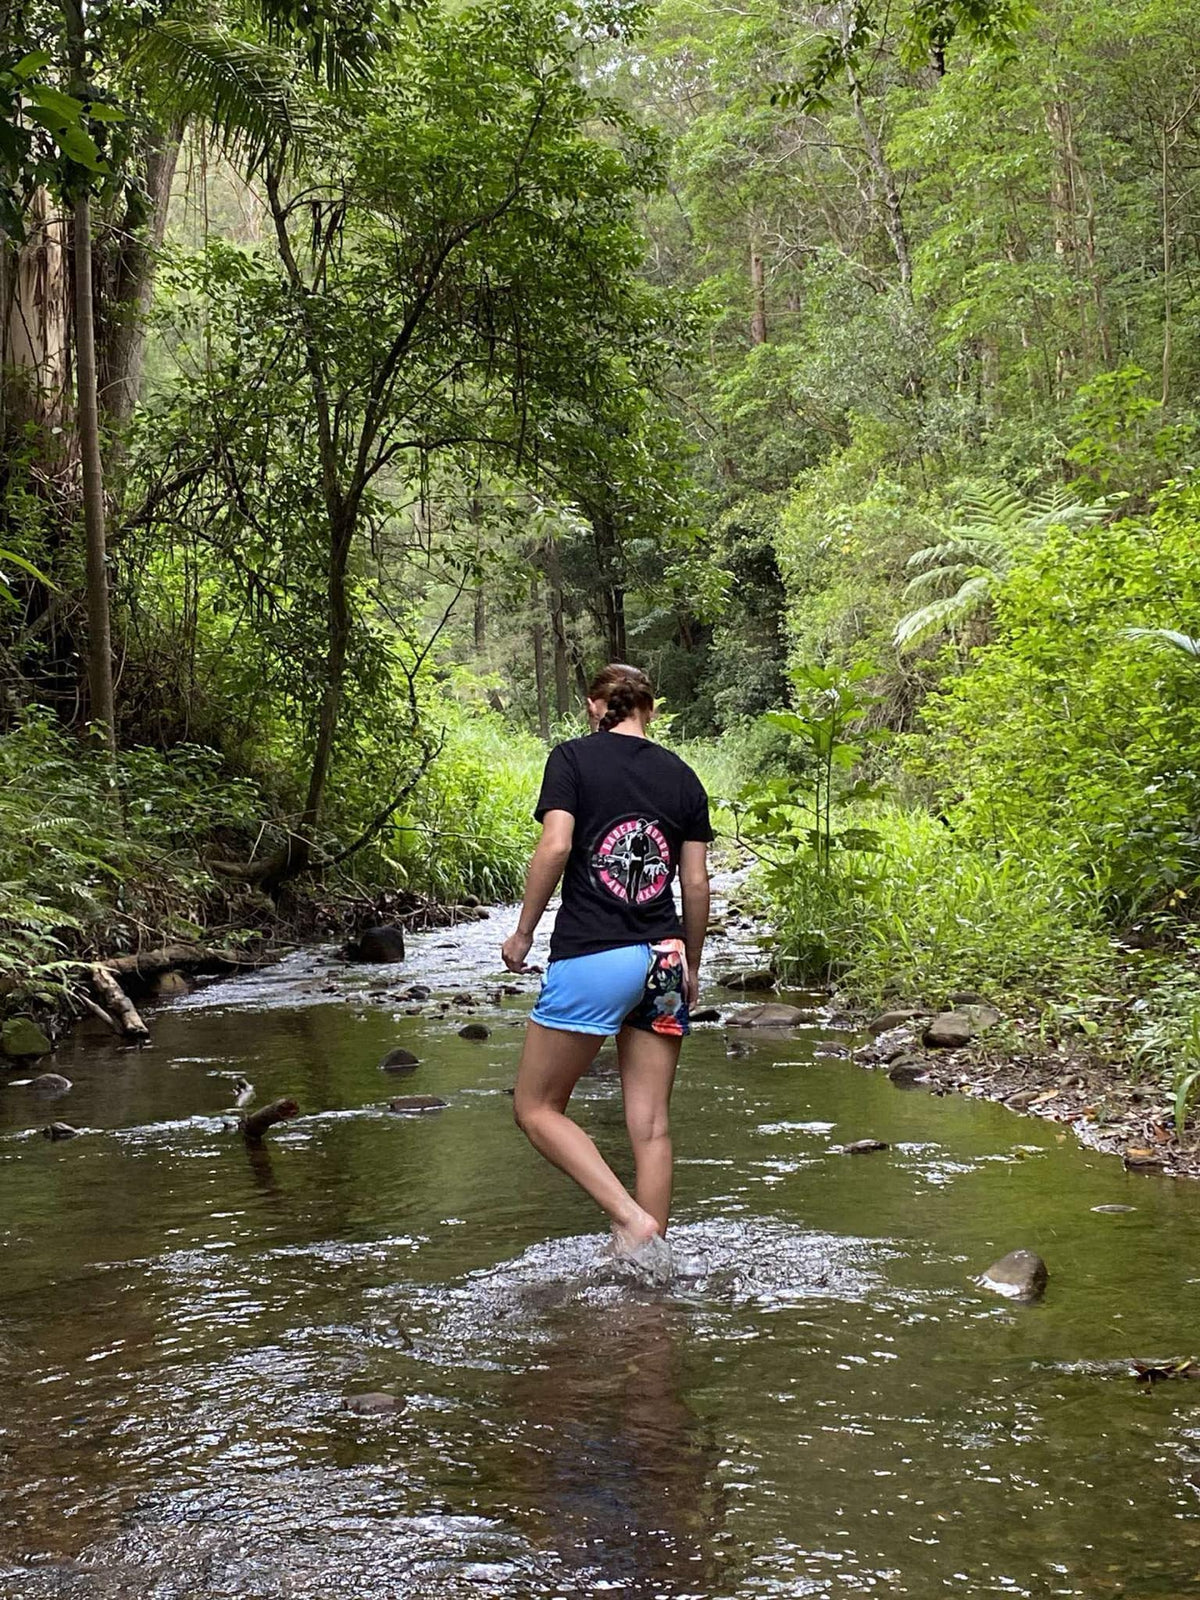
[[378, 1353]]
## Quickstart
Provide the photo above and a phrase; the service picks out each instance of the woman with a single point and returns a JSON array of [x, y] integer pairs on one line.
[[624, 818]]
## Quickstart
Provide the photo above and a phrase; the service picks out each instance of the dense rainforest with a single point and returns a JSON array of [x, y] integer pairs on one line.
[[372, 375]]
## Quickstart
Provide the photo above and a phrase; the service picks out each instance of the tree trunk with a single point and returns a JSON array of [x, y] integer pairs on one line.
[[758, 297], [558, 626], [100, 673], [125, 282], [342, 531], [885, 179], [608, 559], [480, 622], [539, 665], [35, 351]]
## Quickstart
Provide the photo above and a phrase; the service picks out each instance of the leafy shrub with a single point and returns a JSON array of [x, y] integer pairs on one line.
[[1068, 737]]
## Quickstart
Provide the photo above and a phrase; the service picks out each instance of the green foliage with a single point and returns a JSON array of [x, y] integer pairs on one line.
[[96, 856], [1066, 730]]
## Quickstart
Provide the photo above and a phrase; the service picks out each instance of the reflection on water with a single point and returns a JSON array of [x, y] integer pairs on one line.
[[820, 1403]]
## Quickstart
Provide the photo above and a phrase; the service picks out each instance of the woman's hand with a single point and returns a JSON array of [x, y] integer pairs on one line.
[[514, 950], [691, 986]]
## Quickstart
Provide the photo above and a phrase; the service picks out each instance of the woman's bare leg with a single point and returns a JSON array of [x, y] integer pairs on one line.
[[552, 1063], [648, 1062]]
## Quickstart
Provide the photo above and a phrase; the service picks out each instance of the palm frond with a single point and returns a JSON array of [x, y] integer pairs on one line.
[[942, 614], [1182, 642], [341, 38], [243, 91]]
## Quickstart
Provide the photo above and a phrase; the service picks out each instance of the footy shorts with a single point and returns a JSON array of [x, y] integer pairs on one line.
[[636, 986]]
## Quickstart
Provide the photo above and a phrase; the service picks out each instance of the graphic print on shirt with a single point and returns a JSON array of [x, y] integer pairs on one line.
[[632, 860]]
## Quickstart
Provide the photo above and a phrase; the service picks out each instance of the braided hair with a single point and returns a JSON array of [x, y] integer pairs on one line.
[[624, 690]]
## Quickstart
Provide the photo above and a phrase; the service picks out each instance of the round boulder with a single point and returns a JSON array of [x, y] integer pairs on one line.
[[399, 1061], [384, 943], [474, 1030], [954, 1029], [1020, 1275]]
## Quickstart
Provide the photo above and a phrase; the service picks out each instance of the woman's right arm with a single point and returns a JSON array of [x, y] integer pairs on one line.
[[545, 869]]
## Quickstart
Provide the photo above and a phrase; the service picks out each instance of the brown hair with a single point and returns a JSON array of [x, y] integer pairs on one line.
[[624, 690]]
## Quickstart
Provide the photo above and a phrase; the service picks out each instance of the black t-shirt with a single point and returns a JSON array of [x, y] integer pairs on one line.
[[634, 805]]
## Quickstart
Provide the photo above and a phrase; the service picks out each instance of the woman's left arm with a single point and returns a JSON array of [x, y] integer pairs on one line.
[[545, 869]]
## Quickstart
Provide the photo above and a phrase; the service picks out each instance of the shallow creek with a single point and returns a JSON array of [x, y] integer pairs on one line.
[[821, 1402]]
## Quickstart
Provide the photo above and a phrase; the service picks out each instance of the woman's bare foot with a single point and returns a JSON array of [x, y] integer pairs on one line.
[[631, 1235]]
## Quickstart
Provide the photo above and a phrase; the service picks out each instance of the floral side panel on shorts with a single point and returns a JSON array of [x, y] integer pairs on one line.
[[663, 1007]]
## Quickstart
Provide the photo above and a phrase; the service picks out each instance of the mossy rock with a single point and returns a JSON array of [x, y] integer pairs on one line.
[[21, 1037]]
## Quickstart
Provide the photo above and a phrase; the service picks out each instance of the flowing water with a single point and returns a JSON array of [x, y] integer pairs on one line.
[[820, 1403]]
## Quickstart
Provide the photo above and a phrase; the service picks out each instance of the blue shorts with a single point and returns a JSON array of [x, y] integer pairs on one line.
[[636, 986]]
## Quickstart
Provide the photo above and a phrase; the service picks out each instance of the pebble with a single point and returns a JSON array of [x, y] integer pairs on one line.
[[1114, 1210]]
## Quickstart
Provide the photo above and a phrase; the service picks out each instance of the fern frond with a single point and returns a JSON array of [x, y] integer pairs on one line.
[[943, 614], [939, 578]]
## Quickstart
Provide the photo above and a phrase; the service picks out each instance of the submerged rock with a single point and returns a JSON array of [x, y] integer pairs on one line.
[[474, 1030], [770, 1016], [1022, 1100], [60, 1130], [954, 1029], [371, 1405], [169, 983], [417, 991], [1020, 1275], [21, 1037], [864, 1147], [1114, 1210], [748, 978], [399, 1061], [50, 1083], [705, 1014], [415, 1105]]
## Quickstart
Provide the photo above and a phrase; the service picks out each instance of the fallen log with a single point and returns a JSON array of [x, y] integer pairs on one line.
[[118, 1003], [147, 964], [253, 1127], [99, 1011]]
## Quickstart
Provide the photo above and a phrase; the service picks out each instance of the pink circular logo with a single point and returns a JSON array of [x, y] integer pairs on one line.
[[633, 860]]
